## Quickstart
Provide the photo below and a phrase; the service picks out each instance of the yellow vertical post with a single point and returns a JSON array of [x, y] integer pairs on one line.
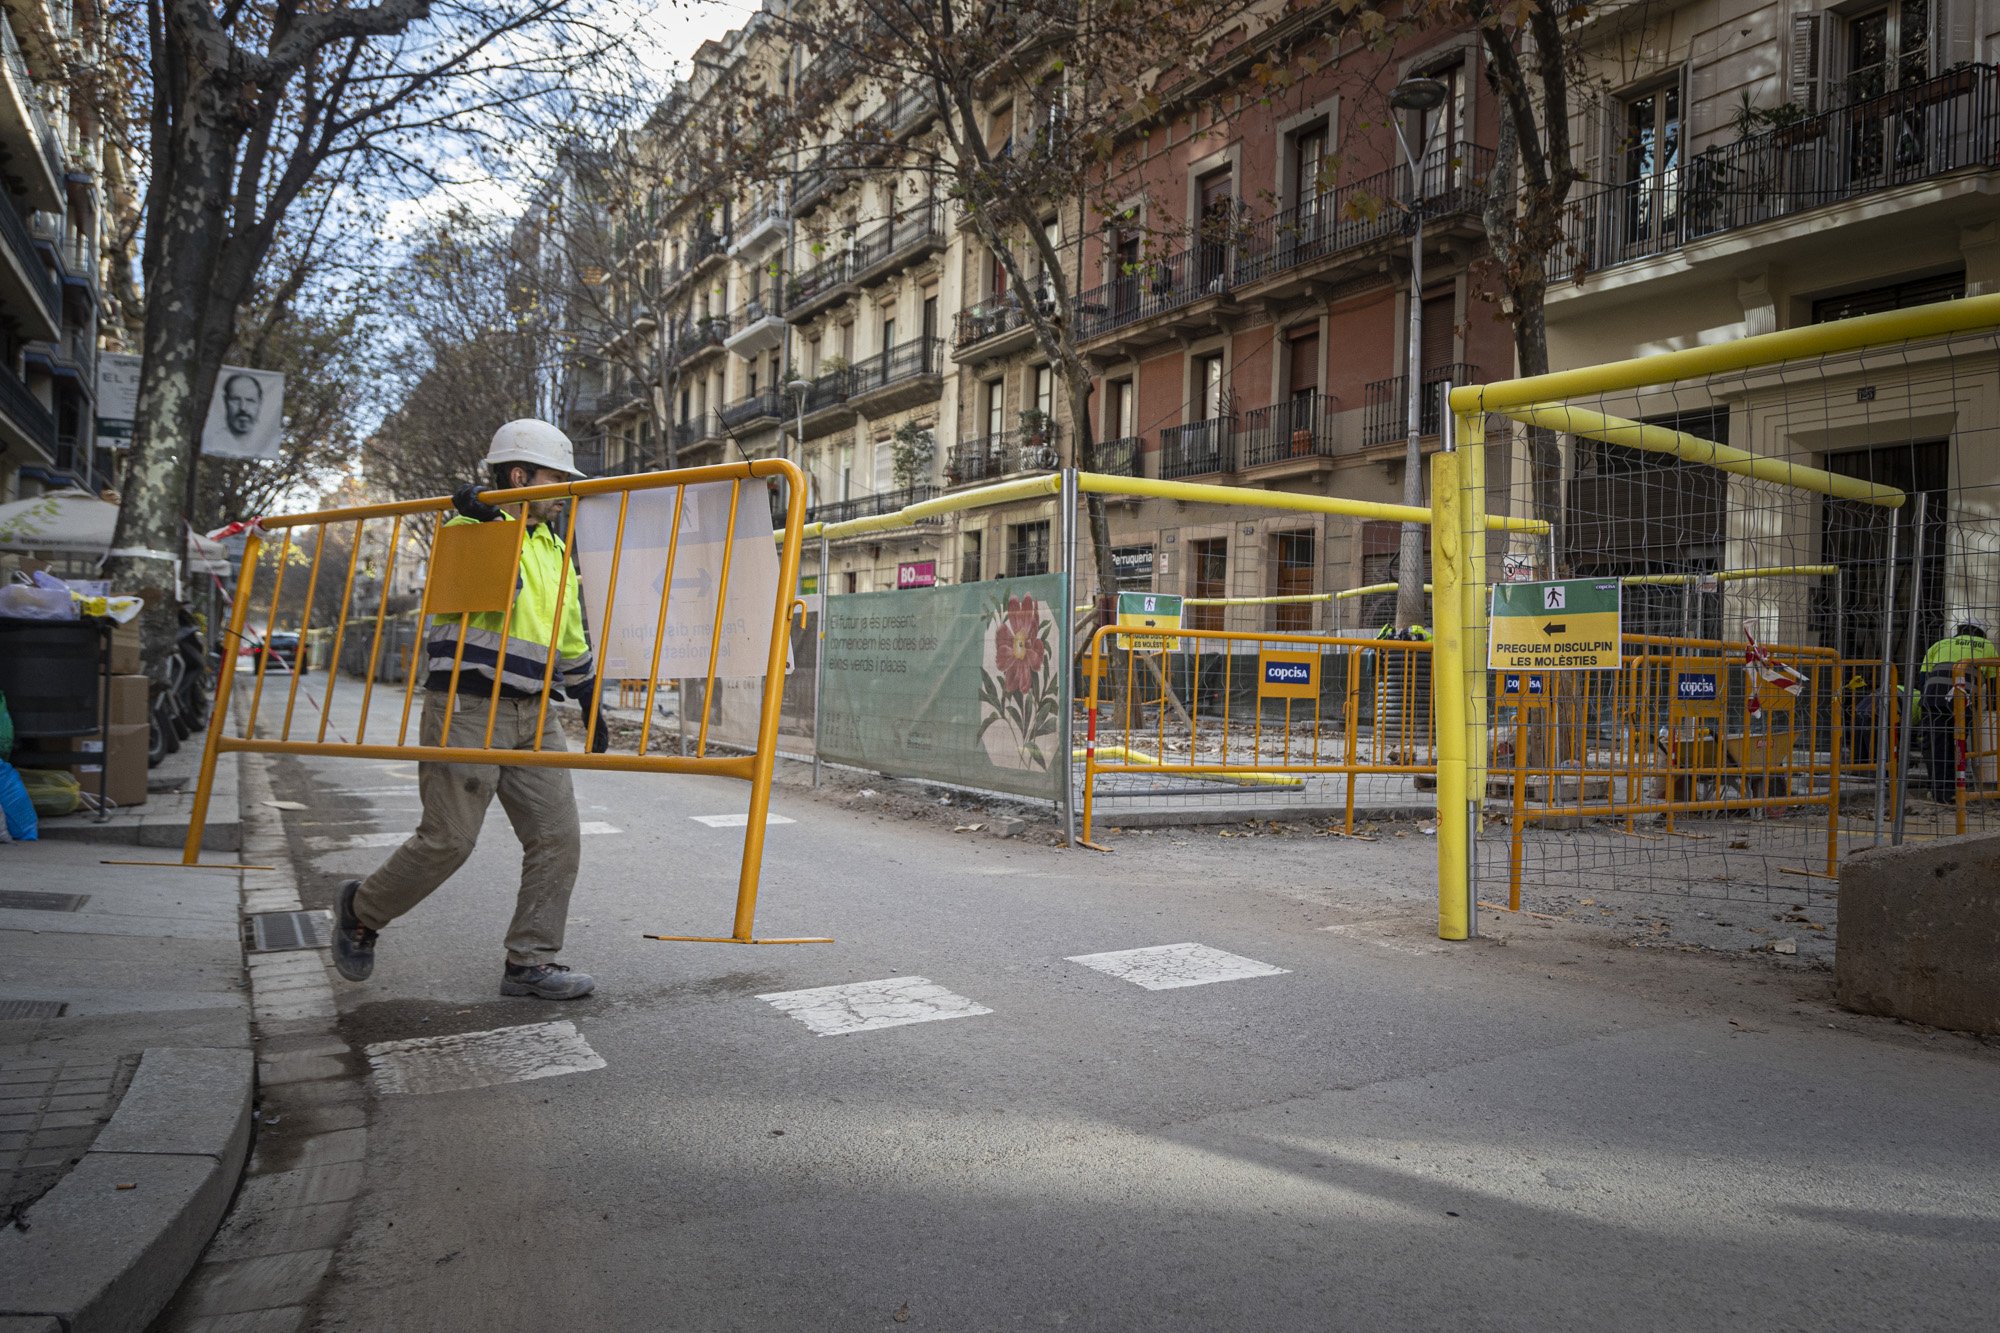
[[1448, 560], [225, 685]]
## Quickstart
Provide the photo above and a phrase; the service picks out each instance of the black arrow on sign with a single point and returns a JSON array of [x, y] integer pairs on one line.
[[1552, 628]]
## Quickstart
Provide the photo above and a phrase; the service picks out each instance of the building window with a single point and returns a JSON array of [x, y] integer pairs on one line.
[[1027, 549], [1888, 48], [1294, 568], [1216, 209], [996, 409], [996, 275], [1895, 296], [1441, 131], [1045, 390], [972, 557], [1120, 403], [1311, 174], [1649, 162], [1208, 576], [1380, 563], [1207, 385]]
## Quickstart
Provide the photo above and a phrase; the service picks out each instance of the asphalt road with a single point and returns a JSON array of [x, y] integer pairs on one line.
[[1543, 1130]]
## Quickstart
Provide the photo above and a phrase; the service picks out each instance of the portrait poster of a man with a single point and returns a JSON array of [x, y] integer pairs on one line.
[[246, 415]]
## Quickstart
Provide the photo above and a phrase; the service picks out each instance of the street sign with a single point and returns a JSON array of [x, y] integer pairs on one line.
[[1287, 675], [1569, 625], [1149, 610]]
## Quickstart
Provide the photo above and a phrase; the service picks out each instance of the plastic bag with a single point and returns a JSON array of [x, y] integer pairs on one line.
[[55, 791], [25, 601], [15, 805]]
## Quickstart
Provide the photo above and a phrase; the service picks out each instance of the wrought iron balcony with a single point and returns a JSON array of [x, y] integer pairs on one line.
[[991, 457], [1387, 410], [1876, 142], [1122, 457], [757, 408], [891, 243], [694, 337], [701, 429], [988, 319], [917, 366], [1451, 182], [1300, 427], [867, 506], [40, 282], [1158, 287], [26, 413], [1197, 448]]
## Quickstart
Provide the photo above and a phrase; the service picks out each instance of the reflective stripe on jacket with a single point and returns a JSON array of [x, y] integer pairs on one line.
[[545, 567]]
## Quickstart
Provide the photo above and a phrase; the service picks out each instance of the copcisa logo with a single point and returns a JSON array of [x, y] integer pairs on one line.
[[1287, 673]]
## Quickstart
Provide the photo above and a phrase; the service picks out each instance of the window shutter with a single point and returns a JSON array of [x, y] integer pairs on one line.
[[1958, 41], [1592, 163], [1804, 61]]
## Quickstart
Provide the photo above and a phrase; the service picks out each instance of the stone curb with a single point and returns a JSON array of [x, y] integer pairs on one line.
[[110, 1244]]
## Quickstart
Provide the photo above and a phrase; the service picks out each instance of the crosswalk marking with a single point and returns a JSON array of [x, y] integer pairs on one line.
[[863, 1006], [1170, 966], [739, 820], [463, 1060]]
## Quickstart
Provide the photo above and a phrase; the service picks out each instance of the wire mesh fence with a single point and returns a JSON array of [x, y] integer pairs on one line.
[[1804, 560]]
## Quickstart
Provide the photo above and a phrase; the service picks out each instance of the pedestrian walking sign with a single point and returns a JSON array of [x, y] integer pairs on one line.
[[1149, 610], [1569, 625]]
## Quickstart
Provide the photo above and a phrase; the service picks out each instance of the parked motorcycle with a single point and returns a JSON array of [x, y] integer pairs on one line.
[[180, 693]]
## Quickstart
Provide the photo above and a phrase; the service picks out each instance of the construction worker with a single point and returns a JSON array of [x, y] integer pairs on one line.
[[1968, 641], [540, 802]]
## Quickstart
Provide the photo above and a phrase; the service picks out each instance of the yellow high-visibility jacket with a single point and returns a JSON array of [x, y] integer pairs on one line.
[[1959, 648], [545, 567]]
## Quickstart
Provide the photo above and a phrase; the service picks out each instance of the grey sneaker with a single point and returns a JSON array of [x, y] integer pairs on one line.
[[353, 943], [546, 981]]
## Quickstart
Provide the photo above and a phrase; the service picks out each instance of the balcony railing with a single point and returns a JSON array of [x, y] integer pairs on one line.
[[894, 238], [1158, 286], [705, 246], [88, 466], [1451, 181], [757, 407], [1122, 457], [1387, 410], [905, 361], [828, 390], [14, 234], [867, 506], [1300, 427], [17, 67], [993, 456], [825, 275], [1198, 447], [904, 110], [1928, 129], [26, 411], [988, 319], [695, 336], [698, 430], [770, 305]]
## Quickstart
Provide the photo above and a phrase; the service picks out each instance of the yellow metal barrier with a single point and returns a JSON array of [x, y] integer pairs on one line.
[[1249, 731], [476, 568], [1675, 750], [1976, 732]]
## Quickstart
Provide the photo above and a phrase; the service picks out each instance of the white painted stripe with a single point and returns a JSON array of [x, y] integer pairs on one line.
[[1170, 966], [589, 826], [739, 821], [480, 1059], [862, 1006]]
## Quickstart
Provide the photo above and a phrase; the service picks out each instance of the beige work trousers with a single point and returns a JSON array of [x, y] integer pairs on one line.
[[540, 804]]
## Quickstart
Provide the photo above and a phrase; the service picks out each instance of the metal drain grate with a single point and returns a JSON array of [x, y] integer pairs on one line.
[[28, 901], [274, 932], [32, 1009]]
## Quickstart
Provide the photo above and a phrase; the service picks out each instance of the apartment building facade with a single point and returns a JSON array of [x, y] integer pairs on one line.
[[1765, 166], [51, 208]]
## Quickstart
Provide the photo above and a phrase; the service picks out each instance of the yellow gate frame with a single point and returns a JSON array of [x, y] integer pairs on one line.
[[755, 768]]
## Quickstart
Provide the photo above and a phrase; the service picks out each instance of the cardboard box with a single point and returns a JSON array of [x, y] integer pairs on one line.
[[126, 782], [131, 701], [125, 649]]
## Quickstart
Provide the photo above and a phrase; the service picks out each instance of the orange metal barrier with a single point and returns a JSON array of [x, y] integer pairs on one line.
[[1976, 732], [1263, 719], [475, 568], [1680, 729]]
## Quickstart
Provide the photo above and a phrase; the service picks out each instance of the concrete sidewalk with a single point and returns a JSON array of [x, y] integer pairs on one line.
[[126, 1069]]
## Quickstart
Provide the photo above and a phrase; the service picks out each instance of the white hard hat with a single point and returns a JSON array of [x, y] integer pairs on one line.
[[1978, 624], [533, 442]]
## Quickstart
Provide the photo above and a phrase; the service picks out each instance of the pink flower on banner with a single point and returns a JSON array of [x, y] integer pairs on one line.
[[1017, 645]]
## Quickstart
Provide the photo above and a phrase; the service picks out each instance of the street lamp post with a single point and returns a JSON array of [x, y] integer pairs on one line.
[[1418, 95]]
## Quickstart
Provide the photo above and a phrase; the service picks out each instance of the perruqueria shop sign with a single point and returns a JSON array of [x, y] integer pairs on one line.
[[1569, 625]]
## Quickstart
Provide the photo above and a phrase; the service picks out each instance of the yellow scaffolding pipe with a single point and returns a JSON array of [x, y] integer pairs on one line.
[[1370, 589], [1731, 575], [1693, 449], [1970, 314]]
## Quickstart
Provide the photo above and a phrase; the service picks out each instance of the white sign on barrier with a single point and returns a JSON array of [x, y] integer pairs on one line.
[[623, 644]]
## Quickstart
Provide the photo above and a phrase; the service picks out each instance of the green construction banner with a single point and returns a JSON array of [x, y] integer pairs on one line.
[[956, 683]]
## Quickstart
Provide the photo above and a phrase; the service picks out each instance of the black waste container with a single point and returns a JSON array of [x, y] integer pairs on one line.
[[48, 670]]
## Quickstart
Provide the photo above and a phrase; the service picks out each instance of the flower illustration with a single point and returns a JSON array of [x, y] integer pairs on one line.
[[1019, 648]]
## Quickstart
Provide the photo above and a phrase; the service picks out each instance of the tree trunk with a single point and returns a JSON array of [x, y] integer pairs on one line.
[[177, 380]]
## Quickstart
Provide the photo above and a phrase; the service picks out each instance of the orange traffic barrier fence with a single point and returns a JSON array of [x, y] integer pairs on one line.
[[1975, 733], [1253, 708], [1683, 728], [705, 591]]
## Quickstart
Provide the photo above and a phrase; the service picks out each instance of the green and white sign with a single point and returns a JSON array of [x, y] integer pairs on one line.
[[1569, 625], [957, 683]]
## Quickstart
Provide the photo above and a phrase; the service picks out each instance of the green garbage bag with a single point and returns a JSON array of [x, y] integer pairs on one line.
[[55, 791]]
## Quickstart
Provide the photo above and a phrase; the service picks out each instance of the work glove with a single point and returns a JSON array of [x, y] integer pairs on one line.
[[600, 734], [467, 502]]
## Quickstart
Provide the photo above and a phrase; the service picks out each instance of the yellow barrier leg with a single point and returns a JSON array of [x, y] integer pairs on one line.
[[1447, 689], [218, 713]]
